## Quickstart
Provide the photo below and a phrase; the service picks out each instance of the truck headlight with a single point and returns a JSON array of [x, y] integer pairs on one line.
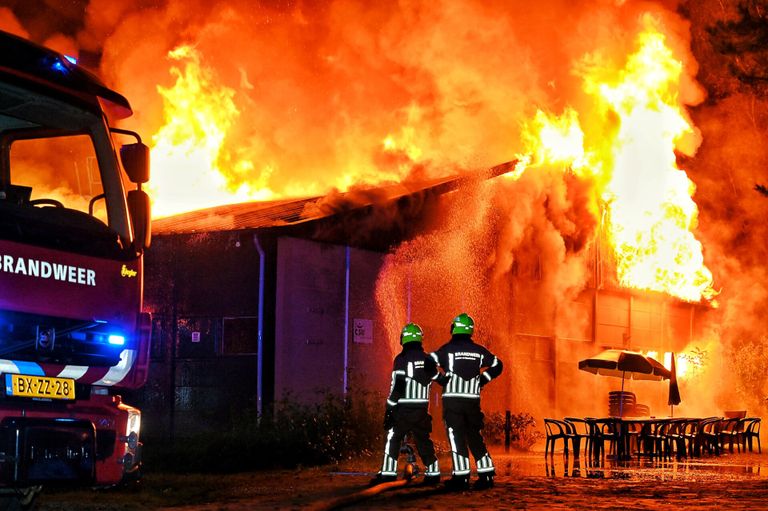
[[133, 425]]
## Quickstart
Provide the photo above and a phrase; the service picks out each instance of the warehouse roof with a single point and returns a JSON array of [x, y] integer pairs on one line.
[[292, 211]]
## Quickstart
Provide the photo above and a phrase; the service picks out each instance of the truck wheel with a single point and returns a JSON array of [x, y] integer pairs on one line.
[[22, 499], [27, 496]]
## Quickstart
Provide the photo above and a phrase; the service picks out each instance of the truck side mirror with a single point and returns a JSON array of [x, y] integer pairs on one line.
[[135, 158], [141, 218]]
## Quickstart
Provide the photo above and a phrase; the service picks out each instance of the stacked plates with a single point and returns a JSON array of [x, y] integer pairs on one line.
[[621, 404]]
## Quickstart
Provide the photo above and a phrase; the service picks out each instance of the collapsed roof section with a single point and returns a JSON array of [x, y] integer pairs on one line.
[[370, 218], [337, 212]]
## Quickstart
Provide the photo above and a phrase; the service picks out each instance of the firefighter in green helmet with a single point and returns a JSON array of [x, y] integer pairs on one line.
[[407, 407], [466, 367]]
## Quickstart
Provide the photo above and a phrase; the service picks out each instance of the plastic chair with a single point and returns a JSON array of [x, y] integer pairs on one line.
[[731, 431], [675, 438], [579, 431], [710, 434], [690, 433], [751, 427], [635, 429], [602, 431], [556, 430], [658, 438]]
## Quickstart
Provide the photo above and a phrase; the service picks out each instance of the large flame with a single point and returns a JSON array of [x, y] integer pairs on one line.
[[188, 149], [194, 167], [649, 213], [636, 123]]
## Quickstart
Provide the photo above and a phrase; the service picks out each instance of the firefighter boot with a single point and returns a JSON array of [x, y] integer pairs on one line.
[[381, 479], [484, 481], [457, 483]]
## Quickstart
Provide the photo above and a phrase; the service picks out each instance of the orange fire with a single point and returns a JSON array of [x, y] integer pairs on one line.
[[194, 166], [649, 213], [188, 150], [623, 137], [682, 361]]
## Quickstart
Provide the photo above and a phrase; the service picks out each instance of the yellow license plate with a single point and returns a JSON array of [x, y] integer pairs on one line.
[[24, 385]]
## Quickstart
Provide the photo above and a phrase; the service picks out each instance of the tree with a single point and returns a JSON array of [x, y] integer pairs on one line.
[[743, 41]]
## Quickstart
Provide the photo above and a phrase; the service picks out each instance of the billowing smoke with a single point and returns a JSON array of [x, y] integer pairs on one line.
[[329, 95], [727, 41]]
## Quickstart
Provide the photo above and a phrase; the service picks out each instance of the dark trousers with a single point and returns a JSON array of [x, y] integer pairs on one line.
[[463, 423], [417, 421]]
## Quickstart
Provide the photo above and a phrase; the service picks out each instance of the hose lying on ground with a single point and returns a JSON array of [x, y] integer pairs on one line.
[[346, 500]]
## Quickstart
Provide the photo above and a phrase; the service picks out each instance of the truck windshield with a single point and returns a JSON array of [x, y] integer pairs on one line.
[[60, 172], [54, 183]]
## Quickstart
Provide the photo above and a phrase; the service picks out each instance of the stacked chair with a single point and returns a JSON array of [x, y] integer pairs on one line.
[[621, 404]]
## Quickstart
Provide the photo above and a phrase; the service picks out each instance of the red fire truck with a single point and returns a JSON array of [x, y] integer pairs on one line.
[[72, 330]]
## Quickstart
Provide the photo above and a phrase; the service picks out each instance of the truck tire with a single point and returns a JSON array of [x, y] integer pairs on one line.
[[10, 503], [23, 499]]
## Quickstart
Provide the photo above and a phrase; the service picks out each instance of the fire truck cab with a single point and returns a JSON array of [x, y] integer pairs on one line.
[[72, 330]]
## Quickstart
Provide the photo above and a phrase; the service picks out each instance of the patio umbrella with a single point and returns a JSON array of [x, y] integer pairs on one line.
[[674, 390], [625, 364]]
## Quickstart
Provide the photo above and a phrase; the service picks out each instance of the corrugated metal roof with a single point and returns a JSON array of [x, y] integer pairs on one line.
[[253, 215], [234, 216]]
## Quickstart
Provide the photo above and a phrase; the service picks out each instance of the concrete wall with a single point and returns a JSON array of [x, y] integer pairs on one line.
[[203, 292], [323, 333]]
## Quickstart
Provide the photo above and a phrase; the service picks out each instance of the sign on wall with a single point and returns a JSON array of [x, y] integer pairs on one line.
[[363, 331]]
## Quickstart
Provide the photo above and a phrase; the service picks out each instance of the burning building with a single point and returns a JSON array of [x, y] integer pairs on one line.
[[258, 302], [630, 219]]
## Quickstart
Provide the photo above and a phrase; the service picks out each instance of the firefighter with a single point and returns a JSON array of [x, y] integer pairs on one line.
[[466, 368], [407, 407]]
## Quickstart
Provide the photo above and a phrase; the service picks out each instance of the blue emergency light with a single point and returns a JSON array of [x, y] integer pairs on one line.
[[59, 66], [116, 340]]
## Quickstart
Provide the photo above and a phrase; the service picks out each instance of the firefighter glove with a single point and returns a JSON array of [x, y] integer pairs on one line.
[[444, 378]]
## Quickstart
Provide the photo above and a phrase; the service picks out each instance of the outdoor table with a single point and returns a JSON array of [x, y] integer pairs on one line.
[[624, 439], [643, 435], [640, 435]]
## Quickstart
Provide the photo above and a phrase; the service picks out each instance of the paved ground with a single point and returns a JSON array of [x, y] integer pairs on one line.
[[524, 481]]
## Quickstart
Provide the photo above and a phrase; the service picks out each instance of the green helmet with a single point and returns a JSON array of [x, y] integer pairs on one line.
[[411, 333], [462, 324]]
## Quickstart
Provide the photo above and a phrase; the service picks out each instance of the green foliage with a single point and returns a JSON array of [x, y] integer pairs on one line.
[[295, 435], [747, 364], [523, 432]]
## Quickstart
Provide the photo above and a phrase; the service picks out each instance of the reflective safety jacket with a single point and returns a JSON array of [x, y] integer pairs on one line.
[[412, 374], [467, 366]]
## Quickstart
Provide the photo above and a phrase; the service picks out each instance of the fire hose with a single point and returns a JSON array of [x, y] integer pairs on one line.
[[346, 500], [411, 471]]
